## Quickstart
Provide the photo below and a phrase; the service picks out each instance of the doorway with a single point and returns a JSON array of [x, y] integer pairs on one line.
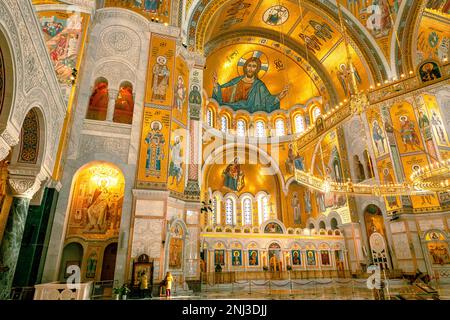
[[109, 262], [72, 256]]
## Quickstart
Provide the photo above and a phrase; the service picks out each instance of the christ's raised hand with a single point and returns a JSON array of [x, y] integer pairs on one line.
[[284, 92]]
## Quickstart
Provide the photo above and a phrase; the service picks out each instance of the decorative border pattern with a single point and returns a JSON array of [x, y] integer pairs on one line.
[[2, 80], [29, 147]]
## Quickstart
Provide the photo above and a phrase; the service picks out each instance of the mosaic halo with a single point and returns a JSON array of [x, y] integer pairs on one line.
[[254, 54]]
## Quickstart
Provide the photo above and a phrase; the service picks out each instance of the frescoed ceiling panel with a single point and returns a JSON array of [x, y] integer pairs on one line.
[[286, 21], [433, 40], [317, 34], [335, 63], [285, 17], [378, 17], [318, 19]]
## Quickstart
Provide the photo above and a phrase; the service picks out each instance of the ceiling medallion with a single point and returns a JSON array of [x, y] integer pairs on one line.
[[276, 15]]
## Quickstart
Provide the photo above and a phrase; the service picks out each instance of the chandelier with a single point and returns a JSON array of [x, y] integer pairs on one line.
[[358, 99], [433, 178], [430, 179], [326, 185]]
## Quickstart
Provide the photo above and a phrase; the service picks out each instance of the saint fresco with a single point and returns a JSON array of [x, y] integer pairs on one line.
[[176, 247], [379, 138], [429, 71], [97, 202], [273, 228], [237, 257], [155, 152], [234, 176], [408, 134], [160, 80], [62, 34], [176, 161], [296, 258], [253, 257]]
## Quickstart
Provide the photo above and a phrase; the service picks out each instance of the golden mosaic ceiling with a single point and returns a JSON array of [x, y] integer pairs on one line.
[[318, 32], [311, 36]]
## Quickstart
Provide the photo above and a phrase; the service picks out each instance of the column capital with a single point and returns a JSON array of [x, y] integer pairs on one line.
[[25, 181], [24, 187], [199, 60]]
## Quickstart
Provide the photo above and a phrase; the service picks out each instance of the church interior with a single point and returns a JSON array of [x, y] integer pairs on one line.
[[235, 144]]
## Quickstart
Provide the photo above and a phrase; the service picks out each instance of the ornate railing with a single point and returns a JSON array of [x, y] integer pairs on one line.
[[62, 291], [307, 179]]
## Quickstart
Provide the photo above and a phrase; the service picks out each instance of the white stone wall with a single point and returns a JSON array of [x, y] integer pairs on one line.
[[408, 240], [118, 50]]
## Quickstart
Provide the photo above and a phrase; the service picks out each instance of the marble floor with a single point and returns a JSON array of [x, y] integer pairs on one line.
[[352, 290]]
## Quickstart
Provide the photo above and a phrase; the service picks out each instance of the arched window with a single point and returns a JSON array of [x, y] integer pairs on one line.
[[316, 112], [260, 129], [263, 208], [266, 211], [247, 210], [98, 103], [334, 224], [229, 211], [359, 168], [224, 124], [299, 123], [279, 127], [215, 217], [321, 225], [123, 110], [209, 117], [241, 128], [368, 162]]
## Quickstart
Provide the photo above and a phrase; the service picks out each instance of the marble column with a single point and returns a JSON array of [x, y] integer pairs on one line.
[[23, 191], [10, 246], [192, 190], [112, 104]]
